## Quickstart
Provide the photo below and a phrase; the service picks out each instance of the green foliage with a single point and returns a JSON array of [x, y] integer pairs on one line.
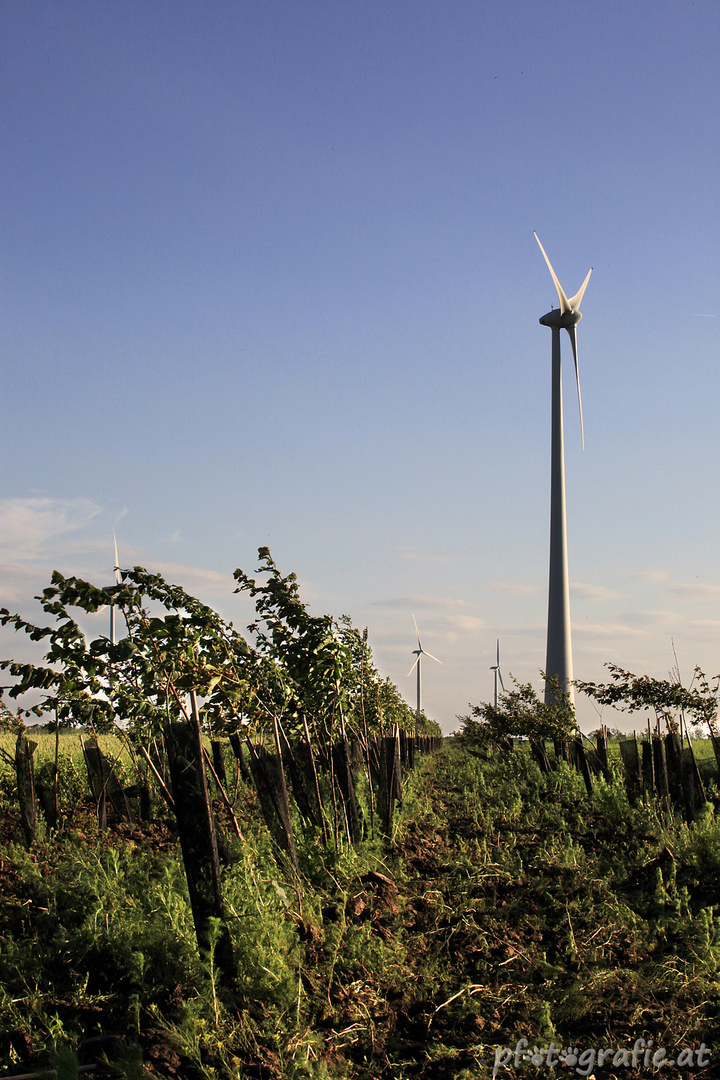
[[519, 714], [143, 677], [321, 670], [310, 662], [104, 910], [302, 667], [666, 697]]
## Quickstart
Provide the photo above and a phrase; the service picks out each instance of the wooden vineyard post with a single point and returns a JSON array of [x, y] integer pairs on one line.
[[578, 751], [54, 813], [104, 784], [96, 779], [24, 750], [316, 781], [638, 768], [602, 753], [237, 748], [143, 790], [397, 771], [367, 738], [270, 785], [385, 799], [391, 779], [343, 774], [301, 769], [693, 780], [285, 802], [630, 758], [674, 768], [407, 750], [694, 787], [147, 799], [198, 840], [48, 804], [538, 751], [371, 793], [375, 779], [648, 769], [661, 773], [219, 761], [562, 750]]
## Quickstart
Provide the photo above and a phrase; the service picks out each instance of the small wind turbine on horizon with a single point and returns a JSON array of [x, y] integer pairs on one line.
[[558, 660], [418, 653], [498, 675]]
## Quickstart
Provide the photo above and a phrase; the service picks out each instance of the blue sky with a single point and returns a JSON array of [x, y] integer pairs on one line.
[[269, 278]]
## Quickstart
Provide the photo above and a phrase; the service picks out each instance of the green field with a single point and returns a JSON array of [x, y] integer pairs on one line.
[[505, 905]]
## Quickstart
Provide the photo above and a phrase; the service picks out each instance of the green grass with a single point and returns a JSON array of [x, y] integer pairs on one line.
[[70, 749], [506, 904]]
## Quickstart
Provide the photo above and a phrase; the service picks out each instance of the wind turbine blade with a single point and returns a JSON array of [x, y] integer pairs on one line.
[[572, 331], [498, 653], [432, 657], [501, 679], [414, 666], [418, 633], [576, 300], [117, 561], [564, 302]]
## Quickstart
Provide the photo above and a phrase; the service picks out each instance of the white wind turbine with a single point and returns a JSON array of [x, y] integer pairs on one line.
[[418, 653], [558, 660], [108, 587], [498, 675]]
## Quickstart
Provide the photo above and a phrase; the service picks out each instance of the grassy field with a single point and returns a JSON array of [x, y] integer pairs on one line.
[[506, 905], [111, 745]]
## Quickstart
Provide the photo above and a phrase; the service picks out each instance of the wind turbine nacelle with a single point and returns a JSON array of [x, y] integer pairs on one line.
[[556, 318]]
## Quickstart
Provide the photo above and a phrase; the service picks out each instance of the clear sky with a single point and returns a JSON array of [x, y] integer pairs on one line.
[[269, 278]]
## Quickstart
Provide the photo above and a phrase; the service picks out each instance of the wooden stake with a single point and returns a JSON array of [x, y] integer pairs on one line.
[[215, 860], [317, 781]]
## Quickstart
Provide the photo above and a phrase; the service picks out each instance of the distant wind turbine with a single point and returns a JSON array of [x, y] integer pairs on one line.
[[418, 653], [498, 675], [117, 581], [558, 660]]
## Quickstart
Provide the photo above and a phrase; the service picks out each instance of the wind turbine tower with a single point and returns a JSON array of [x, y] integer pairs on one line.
[[418, 653], [558, 660], [112, 606], [498, 675]]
